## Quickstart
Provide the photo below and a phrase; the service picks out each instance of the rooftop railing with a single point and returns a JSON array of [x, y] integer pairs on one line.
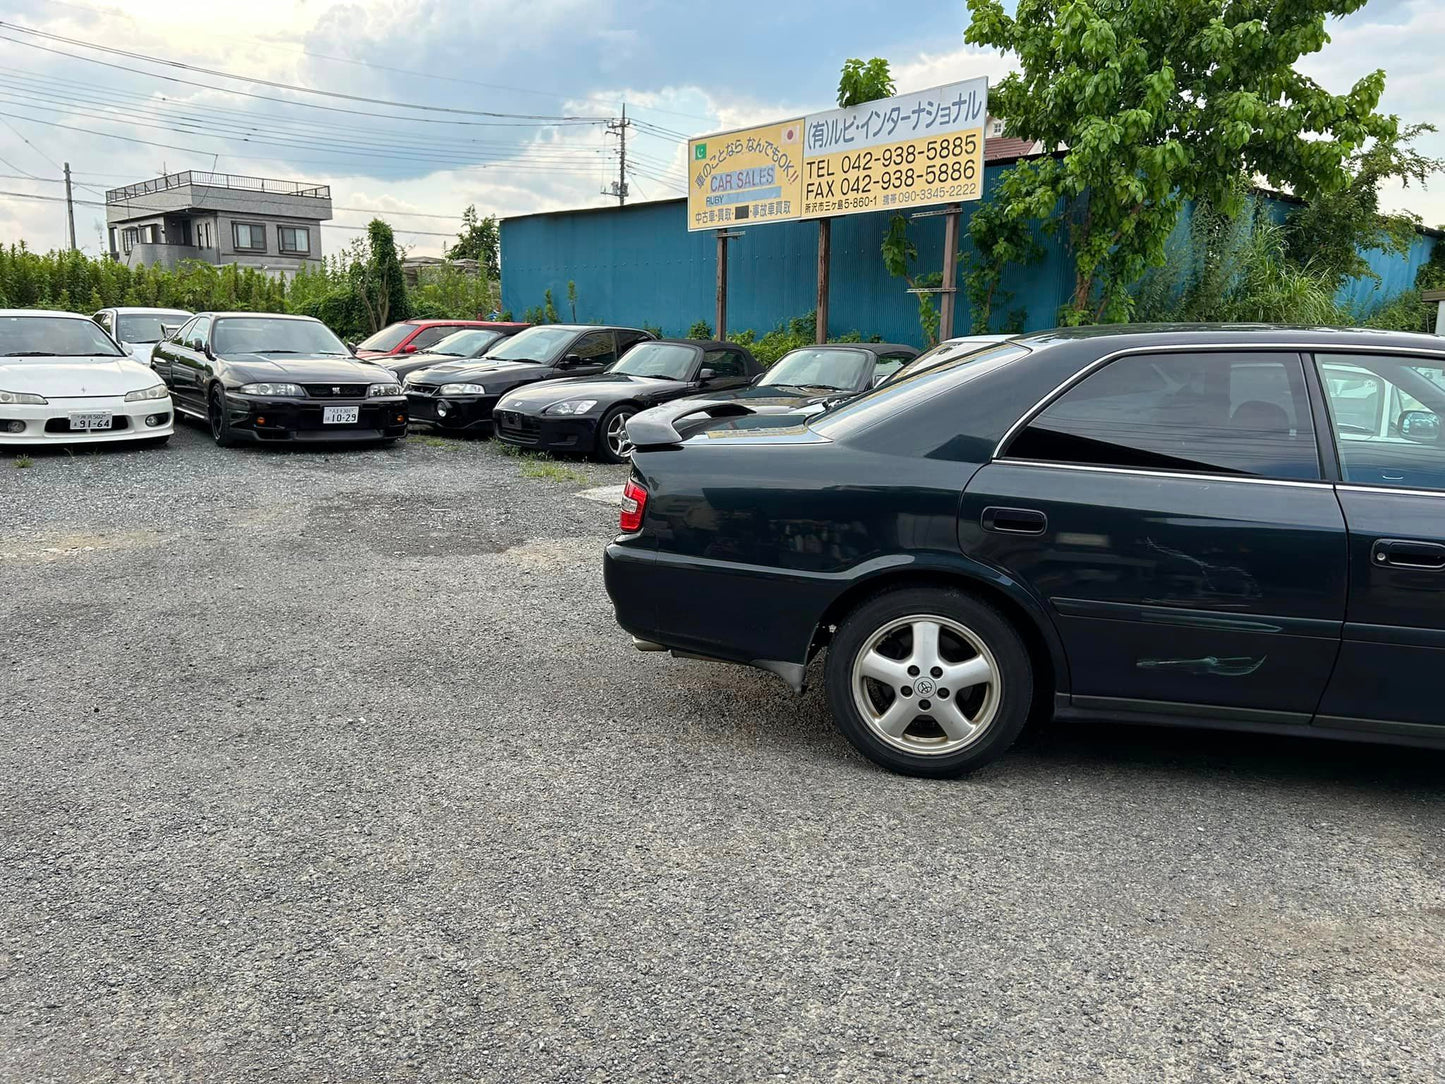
[[218, 180]]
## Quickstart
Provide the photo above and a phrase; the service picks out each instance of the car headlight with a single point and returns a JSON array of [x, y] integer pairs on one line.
[[571, 406], [17, 398], [157, 392], [383, 389], [463, 389], [285, 391]]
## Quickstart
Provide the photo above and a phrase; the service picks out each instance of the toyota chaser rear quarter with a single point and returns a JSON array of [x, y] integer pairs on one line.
[[758, 530]]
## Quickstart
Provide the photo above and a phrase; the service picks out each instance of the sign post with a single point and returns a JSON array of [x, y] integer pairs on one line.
[[720, 329], [825, 253], [950, 268]]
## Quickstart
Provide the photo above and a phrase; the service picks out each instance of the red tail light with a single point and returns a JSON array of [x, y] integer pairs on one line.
[[634, 503]]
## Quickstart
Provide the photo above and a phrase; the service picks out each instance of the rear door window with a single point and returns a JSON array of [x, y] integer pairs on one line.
[[1226, 413], [1388, 414]]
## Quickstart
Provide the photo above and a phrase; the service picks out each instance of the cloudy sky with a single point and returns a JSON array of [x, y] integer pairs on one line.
[[682, 69]]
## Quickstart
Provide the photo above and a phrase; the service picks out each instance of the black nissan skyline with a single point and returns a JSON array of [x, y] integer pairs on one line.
[[459, 396], [274, 378], [589, 413], [1225, 526]]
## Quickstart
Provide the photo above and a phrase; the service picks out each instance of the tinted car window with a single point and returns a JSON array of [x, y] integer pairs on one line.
[[1388, 414], [199, 334], [667, 361], [430, 335], [388, 338], [724, 363], [596, 347], [1222, 413]]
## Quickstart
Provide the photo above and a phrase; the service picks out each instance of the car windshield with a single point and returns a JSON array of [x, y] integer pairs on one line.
[[534, 344], [465, 344], [842, 370], [273, 335], [665, 361], [145, 327], [54, 337], [388, 338]]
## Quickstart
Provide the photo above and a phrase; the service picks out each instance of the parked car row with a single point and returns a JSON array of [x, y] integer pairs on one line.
[[1239, 527]]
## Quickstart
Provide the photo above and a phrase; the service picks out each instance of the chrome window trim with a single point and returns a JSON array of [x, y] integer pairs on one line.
[[1203, 347], [1395, 491], [1202, 476]]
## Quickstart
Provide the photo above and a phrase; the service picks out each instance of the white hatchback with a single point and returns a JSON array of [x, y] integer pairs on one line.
[[64, 380]]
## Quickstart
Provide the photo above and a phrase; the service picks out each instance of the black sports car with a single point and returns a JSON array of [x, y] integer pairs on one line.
[[1234, 526], [818, 374], [266, 377], [472, 342], [459, 396], [589, 413]]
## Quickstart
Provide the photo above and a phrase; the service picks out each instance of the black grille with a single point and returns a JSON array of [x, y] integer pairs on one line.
[[335, 391], [421, 389], [522, 428], [62, 425]]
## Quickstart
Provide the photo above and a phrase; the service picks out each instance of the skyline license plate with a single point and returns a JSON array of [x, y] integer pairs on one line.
[[89, 419], [340, 415]]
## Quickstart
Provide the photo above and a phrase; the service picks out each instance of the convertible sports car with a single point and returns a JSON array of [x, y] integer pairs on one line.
[[1233, 526], [64, 380], [263, 377], [589, 413], [459, 396], [818, 374]]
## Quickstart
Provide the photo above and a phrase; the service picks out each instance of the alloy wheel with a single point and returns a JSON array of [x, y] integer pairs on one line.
[[616, 435], [216, 414], [926, 684]]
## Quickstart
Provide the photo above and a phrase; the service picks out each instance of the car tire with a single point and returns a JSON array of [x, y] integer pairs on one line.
[[887, 678], [612, 446], [218, 418]]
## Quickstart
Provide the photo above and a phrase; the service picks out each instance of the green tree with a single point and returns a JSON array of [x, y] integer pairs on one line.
[[480, 241], [376, 273], [864, 81], [1159, 102]]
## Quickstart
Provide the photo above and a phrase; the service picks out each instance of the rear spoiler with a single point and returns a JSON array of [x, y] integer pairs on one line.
[[656, 427]]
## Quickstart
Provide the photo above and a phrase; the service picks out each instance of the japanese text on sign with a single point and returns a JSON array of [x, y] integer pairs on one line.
[[906, 151]]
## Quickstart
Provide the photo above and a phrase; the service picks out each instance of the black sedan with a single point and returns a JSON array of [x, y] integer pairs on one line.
[[818, 374], [464, 345], [590, 413], [459, 396], [1234, 527], [272, 378]]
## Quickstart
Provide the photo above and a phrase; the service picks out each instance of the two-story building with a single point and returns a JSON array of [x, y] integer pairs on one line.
[[218, 218]]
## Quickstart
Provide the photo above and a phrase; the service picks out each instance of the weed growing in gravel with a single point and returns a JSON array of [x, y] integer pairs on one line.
[[439, 442], [554, 472], [23, 461], [511, 451]]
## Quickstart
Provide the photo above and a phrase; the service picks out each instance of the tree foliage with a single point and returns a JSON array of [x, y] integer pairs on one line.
[[864, 81], [1159, 103], [480, 241], [375, 271]]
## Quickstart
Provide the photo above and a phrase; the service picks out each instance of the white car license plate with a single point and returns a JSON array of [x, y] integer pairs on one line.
[[340, 415], [89, 419]]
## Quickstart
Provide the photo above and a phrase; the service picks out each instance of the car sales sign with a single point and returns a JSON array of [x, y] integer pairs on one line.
[[906, 151]]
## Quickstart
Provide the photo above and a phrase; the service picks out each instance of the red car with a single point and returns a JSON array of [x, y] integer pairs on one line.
[[409, 336]]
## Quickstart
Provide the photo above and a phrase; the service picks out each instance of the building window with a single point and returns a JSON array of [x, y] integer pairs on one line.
[[148, 235], [293, 239], [129, 238], [248, 236]]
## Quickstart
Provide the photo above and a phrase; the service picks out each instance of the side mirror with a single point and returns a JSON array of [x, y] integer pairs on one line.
[[707, 374], [350, 346], [409, 348], [1420, 426], [570, 361]]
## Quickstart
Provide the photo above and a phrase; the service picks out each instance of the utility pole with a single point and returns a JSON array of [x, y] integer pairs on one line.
[[69, 207], [619, 186]]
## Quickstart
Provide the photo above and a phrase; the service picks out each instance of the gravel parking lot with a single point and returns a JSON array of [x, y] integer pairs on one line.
[[333, 766]]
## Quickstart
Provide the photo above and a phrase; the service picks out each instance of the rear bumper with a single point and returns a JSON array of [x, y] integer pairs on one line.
[[50, 423], [547, 434], [716, 609], [279, 420]]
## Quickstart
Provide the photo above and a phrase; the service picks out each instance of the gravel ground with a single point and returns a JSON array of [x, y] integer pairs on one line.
[[334, 767]]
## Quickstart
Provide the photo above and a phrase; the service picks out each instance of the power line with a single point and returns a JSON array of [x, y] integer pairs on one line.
[[257, 81], [290, 101]]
